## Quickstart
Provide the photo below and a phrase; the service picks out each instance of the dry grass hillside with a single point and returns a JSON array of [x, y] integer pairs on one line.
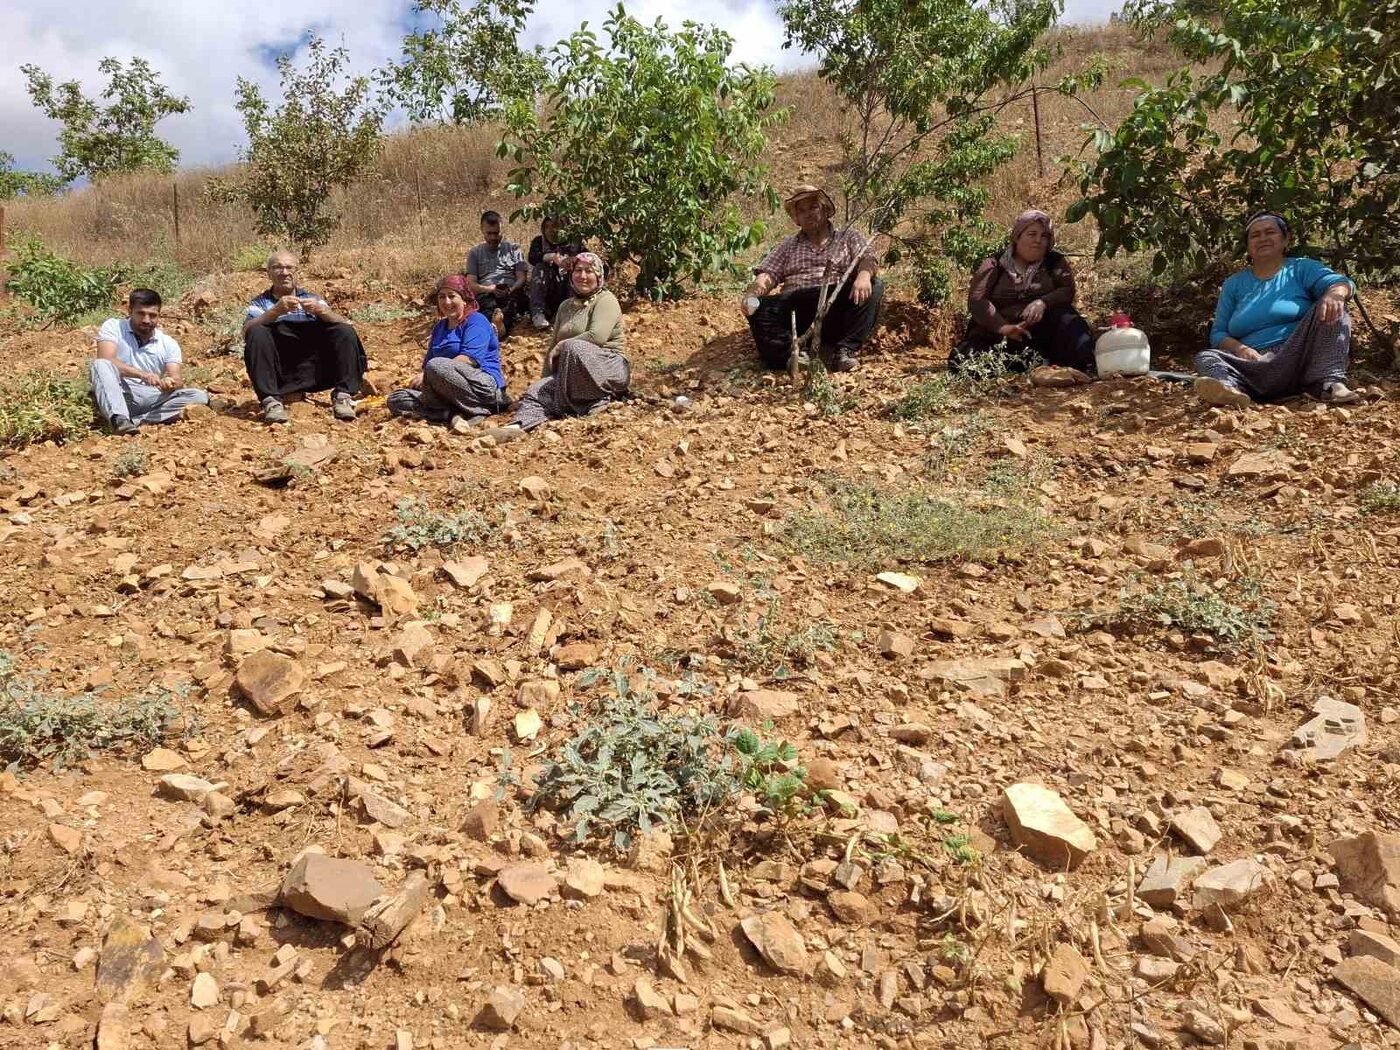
[[1092, 695], [414, 217]]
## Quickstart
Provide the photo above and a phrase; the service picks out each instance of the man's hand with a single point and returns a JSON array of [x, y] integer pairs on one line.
[[501, 289], [1332, 304], [151, 379], [1015, 332], [416, 383], [1248, 353], [287, 304], [860, 288], [1034, 311], [314, 307], [169, 383]]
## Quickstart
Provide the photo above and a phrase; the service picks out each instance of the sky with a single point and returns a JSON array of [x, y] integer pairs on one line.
[[201, 46]]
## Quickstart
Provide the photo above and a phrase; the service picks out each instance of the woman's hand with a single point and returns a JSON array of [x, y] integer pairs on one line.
[[1248, 353], [1332, 304], [1014, 332], [1034, 311], [416, 383]]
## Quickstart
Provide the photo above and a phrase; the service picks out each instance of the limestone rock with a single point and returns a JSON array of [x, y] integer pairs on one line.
[[185, 788], [269, 681], [113, 1027], [1044, 827], [1166, 881], [764, 705], [777, 940], [501, 1009], [895, 645], [70, 840], [1376, 945], [576, 656], [481, 820], [1334, 727], [162, 760], [850, 907], [204, 993], [1197, 829], [1374, 982], [987, 677], [130, 957], [900, 581], [330, 888], [526, 883], [583, 878], [1368, 866], [1230, 884], [725, 593], [467, 572], [647, 1003], [1064, 974]]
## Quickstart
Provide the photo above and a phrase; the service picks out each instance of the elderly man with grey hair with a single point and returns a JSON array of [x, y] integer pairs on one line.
[[293, 342]]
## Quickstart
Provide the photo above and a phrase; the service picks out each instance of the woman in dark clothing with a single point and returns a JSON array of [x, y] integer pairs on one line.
[[1022, 305]]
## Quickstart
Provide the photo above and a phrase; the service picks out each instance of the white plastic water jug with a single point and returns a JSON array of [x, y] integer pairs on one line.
[[1123, 350]]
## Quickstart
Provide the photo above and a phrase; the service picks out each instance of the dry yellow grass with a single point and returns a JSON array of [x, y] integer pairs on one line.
[[416, 213]]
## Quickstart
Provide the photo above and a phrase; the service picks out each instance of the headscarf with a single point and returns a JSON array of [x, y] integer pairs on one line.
[[1023, 273], [1263, 216], [589, 261], [455, 282]]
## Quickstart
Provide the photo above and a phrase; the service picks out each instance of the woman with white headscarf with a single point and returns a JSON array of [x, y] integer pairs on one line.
[[1021, 305], [1281, 327], [585, 368]]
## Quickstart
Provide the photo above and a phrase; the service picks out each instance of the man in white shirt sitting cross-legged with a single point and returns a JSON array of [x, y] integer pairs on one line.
[[136, 373]]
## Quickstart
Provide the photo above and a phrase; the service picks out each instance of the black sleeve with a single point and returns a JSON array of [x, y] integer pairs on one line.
[[536, 255]]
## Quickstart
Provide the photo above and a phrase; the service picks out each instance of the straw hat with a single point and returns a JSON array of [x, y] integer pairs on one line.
[[800, 193]]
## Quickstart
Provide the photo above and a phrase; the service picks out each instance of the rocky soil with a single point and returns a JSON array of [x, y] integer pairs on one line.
[[1043, 823]]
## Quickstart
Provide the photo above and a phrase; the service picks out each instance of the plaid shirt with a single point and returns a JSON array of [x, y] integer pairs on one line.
[[795, 262]]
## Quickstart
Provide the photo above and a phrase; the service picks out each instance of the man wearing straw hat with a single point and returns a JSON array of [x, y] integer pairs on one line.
[[800, 265]]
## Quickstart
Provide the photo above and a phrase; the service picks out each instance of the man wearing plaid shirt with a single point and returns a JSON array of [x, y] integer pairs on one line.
[[800, 265]]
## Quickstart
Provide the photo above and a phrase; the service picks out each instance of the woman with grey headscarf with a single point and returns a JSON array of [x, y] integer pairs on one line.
[[1022, 305], [1281, 327], [585, 368]]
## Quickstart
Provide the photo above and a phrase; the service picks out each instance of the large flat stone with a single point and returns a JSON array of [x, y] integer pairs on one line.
[[330, 888], [1368, 866], [1374, 982], [1044, 827]]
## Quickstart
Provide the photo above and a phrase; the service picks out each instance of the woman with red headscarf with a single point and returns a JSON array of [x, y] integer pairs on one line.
[[1022, 305], [462, 369]]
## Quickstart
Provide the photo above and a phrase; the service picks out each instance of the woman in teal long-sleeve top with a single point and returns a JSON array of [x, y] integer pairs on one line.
[[1281, 327]]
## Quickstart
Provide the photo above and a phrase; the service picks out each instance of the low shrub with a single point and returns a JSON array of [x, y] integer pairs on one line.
[[38, 728], [1381, 498], [421, 526], [58, 289], [868, 526], [131, 463], [632, 768], [44, 406]]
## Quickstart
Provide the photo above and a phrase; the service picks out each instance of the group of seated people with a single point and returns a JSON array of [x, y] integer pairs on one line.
[[1280, 329]]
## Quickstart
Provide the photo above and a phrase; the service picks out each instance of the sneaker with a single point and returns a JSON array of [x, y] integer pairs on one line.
[[123, 425], [274, 411], [1221, 394], [1340, 394], [539, 320], [343, 408], [842, 360]]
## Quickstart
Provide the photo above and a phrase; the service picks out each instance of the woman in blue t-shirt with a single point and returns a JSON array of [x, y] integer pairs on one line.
[[1281, 327], [462, 369]]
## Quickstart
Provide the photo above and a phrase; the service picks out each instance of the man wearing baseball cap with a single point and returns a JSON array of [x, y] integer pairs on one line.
[[796, 270]]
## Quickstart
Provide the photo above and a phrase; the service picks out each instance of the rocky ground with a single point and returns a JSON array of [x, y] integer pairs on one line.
[[1055, 809]]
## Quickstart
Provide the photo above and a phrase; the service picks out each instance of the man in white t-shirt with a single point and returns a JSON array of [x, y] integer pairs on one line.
[[136, 374]]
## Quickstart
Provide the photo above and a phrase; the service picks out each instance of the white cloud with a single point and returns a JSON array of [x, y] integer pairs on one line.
[[201, 46]]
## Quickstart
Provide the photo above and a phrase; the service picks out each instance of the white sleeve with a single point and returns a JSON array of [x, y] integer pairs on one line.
[[111, 331], [172, 352]]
